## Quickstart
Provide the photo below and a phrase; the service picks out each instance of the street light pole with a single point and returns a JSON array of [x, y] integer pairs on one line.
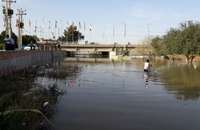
[[148, 30], [124, 23], [149, 40]]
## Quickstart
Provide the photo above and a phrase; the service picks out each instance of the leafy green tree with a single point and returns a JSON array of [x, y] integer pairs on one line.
[[157, 45], [190, 39], [26, 39], [72, 35], [173, 42], [3, 35], [182, 40]]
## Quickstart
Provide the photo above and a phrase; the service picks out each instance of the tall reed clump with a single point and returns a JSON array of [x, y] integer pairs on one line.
[[24, 104]]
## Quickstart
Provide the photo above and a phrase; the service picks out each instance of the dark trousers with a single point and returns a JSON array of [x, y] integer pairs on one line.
[[32, 47], [12, 47], [8, 47]]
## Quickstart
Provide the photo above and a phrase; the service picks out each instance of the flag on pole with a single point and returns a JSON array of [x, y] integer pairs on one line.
[[17, 23], [43, 23], [73, 24], [49, 24], [67, 26], [84, 26], [55, 24], [79, 25], [90, 27], [35, 25], [29, 23]]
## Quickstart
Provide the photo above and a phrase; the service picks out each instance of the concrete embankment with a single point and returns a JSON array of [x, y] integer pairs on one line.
[[12, 60]]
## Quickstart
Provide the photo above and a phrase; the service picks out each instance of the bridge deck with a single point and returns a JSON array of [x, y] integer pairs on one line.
[[96, 45]]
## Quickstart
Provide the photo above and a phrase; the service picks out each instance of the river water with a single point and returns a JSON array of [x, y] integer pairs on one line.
[[117, 95]]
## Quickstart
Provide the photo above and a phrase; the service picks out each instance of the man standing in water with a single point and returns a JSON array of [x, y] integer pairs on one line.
[[147, 66]]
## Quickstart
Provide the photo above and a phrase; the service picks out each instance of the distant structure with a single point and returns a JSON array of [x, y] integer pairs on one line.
[[47, 41]]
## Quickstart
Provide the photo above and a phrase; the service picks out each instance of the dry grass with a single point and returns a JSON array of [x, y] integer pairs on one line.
[[182, 57]]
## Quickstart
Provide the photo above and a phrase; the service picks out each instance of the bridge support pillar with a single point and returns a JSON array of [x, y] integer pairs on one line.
[[112, 54]]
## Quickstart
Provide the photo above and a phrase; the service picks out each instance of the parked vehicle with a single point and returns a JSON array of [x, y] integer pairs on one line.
[[28, 47]]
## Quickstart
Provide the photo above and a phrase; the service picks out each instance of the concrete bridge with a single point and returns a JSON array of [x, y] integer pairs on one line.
[[48, 44], [95, 47], [105, 49]]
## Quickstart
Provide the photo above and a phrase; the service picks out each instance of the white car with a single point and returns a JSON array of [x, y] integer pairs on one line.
[[28, 47]]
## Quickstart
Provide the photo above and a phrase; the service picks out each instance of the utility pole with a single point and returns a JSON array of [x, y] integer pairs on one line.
[[20, 26], [8, 12]]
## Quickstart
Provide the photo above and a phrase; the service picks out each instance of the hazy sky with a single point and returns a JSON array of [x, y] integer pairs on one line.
[[107, 17]]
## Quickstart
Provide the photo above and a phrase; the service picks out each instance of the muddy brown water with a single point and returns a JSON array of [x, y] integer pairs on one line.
[[118, 95]]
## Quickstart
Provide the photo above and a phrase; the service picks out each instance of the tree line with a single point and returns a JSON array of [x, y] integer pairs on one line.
[[183, 40]]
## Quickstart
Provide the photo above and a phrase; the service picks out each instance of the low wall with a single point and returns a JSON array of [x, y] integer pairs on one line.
[[12, 60]]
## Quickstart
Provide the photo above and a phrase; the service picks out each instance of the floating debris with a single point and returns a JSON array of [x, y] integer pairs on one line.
[[45, 104]]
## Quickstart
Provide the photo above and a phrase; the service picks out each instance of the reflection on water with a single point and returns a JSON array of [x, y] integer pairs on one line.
[[182, 80], [106, 95], [146, 76], [177, 77]]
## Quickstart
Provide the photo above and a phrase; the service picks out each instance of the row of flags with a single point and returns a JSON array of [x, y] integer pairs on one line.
[[56, 24], [68, 25]]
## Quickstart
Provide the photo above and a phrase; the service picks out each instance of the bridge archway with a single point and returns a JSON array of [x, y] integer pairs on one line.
[[104, 53]]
